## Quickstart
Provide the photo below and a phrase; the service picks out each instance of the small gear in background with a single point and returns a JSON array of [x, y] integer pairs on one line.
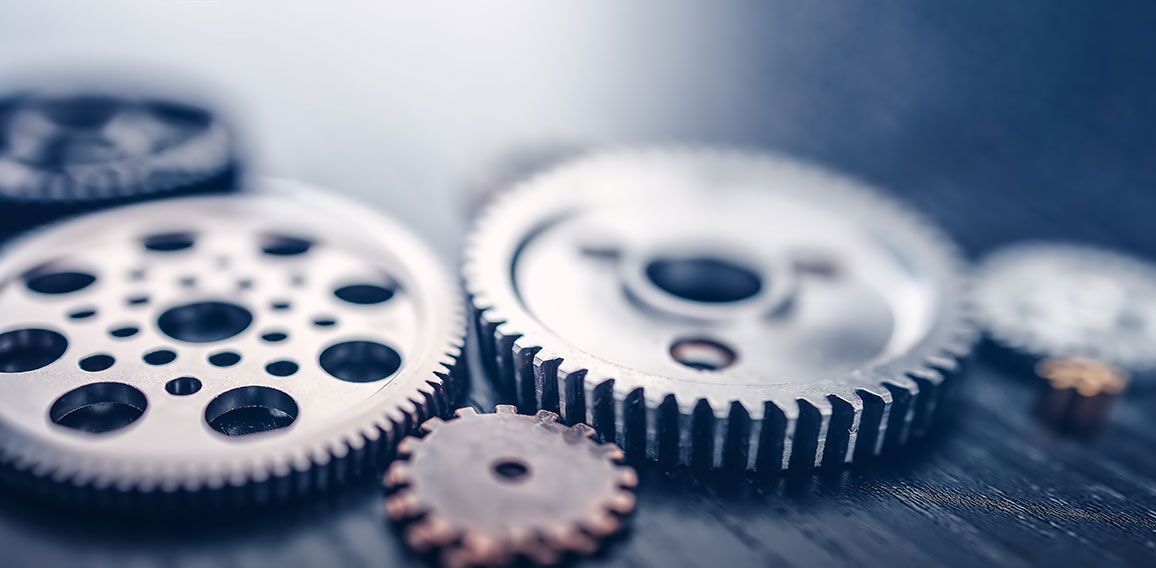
[[218, 350], [1053, 300], [62, 154], [1079, 394], [719, 308], [490, 489]]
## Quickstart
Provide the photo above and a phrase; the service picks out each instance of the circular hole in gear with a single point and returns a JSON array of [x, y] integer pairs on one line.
[[324, 322], [124, 331], [282, 245], [23, 350], [183, 386], [98, 407], [250, 410], [160, 357], [511, 470], [169, 242], [224, 359], [704, 279], [275, 336], [360, 361], [65, 282], [82, 314], [703, 354], [364, 293], [97, 363], [281, 368], [204, 322]]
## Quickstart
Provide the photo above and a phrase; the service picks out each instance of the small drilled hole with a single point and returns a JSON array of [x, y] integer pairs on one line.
[[68, 282], [183, 386], [364, 293], [169, 242], [137, 300], [160, 357], [279, 306], [98, 407], [188, 281], [125, 331], [511, 470], [250, 410], [82, 314], [23, 350], [275, 336], [224, 359], [324, 322], [702, 354], [281, 368], [245, 284], [96, 363], [281, 245]]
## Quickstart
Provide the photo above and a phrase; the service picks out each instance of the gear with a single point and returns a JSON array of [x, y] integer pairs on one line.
[[488, 489], [1050, 300], [230, 349], [719, 308], [62, 154]]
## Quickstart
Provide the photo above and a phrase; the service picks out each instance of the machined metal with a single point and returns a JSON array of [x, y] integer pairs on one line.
[[250, 347], [491, 489], [719, 308], [1056, 300]]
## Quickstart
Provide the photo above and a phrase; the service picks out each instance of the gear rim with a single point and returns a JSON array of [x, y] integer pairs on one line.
[[349, 448], [814, 428]]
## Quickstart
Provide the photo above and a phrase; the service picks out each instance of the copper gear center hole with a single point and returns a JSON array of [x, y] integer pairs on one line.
[[510, 470]]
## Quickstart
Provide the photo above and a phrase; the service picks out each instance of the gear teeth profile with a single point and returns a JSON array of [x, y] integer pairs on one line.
[[879, 414], [503, 521]]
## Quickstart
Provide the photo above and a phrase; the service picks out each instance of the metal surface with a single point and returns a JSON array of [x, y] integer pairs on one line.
[[487, 489], [1065, 300], [719, 307], [281, 340]]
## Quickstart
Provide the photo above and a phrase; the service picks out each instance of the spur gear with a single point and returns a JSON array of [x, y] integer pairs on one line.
[[490, 489], [63, 154], [719, 308], [1054, 300], [218, 350]]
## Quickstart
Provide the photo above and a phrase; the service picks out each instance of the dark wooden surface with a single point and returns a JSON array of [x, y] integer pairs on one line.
[[1001, 120]]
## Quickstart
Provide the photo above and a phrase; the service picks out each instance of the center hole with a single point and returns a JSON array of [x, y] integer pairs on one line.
[[204, 322], [511, 470], [704, 279]]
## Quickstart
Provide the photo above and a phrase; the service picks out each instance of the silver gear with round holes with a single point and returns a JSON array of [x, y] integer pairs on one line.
[[215, 350], [719, 308], [1057, 300]]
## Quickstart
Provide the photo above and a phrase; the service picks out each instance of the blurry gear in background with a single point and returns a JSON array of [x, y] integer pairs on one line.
[[719, 308], [492, 489], [1050, 300], [1080, 393], [63, 154], [218, 350]]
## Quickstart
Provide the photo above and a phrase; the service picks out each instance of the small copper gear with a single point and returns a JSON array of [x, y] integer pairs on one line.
[[488, 489]]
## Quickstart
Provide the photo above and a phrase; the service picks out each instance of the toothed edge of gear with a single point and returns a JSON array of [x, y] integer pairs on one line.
[[818, 429], [1009, 333], [427, 531], [345, 456]]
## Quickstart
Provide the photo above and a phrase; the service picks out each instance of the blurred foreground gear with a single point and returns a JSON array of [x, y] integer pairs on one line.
[[491, 489], [63, 154], [1050, 300], [719, 308], [1079, 394], [218, 350]]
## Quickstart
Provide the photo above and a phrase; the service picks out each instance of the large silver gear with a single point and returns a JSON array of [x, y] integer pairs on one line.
[[240, 349], [1058, 300], [719, 308]]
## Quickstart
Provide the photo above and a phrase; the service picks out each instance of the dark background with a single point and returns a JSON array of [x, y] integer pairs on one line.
[[1001, 120]]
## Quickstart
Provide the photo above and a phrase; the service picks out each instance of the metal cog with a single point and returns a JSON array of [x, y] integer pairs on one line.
[[491, 489], [719, 308], [1058, 300], [227, 350], [65, 153]]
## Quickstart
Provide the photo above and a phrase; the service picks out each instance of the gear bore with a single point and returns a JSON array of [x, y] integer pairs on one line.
[[719, 308]]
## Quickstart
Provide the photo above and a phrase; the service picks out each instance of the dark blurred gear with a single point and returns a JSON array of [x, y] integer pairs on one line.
[[491, 489], [1080, 394], [63, 154], [219, 350], [1054, 300], [719, 308]]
